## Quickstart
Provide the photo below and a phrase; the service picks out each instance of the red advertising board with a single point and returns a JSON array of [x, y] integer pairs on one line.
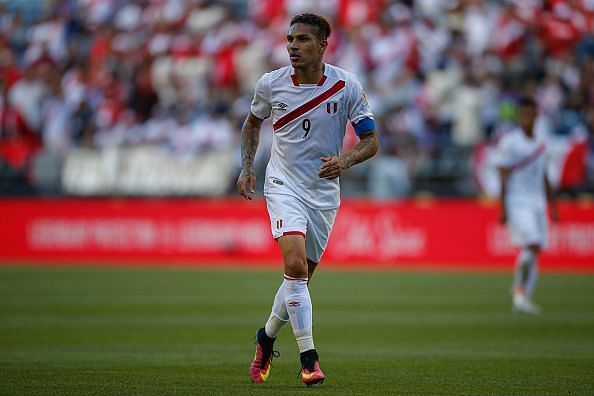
[[413, 234]]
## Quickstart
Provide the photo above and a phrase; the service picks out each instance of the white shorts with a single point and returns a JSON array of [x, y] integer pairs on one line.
[[290, 216], [528, 226]]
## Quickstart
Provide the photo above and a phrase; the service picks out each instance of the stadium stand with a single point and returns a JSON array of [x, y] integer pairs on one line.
[[108, 82]]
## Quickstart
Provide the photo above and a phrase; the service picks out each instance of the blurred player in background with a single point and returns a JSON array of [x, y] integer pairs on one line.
[[310, 103], [525, 189]]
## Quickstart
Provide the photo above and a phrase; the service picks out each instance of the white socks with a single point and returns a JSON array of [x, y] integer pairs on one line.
[[279, 316], [293, 303], [526, 272], [531, 281], [300, 311]]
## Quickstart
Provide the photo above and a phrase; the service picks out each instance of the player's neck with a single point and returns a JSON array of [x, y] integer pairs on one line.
[[311, 74], [529, 132]]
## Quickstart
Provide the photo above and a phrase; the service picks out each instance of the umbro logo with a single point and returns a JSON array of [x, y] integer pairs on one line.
[[293, 303], [280, 106]]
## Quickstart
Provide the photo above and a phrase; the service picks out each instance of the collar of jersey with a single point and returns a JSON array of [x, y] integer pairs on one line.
[[319, 84]]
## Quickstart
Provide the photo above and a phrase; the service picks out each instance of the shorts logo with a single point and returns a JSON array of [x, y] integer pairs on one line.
[[279, 224], [332, 107], [293, 303]]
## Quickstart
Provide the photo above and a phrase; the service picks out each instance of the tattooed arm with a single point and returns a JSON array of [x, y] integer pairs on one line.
[[332, 167], [250, 135]]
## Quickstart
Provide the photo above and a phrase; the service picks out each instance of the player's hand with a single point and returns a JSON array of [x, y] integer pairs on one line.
[[245, 183], [331, 168]]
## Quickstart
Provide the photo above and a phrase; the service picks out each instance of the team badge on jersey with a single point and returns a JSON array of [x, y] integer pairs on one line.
[[332, 107]]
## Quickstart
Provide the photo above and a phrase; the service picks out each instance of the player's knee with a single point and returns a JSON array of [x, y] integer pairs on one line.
[[534, 249], [296, 266]]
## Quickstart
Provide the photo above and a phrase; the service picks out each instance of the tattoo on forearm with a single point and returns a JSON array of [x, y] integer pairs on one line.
[[250, 136], [365, 149]]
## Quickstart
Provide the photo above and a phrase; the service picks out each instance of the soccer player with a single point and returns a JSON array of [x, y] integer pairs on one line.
[[525, 189], [310, 103]]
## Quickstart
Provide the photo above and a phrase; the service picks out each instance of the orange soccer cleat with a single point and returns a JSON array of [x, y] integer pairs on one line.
[[311, 374], [260, 367]]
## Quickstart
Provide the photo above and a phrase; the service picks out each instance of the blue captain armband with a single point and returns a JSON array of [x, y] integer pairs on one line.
[[365, 125]]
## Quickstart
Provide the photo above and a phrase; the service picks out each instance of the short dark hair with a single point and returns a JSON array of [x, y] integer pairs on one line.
[[526, 101], [322, 26]]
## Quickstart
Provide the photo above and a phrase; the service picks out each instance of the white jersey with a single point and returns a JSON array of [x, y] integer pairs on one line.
[[526, 159], [309, 122]]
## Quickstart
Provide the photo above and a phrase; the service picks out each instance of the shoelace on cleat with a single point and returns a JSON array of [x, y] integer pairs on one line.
[[301, 371], [265, 358], [273, 353]]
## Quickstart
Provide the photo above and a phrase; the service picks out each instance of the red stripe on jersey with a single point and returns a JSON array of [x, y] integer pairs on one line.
[[307, 106], [294, 78], [322, 80], [522, 163]]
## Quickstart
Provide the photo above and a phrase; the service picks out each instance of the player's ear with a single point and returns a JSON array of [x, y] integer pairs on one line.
[[323, 46]]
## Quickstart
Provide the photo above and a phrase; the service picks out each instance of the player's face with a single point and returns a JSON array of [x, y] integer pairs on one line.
[[303, 46], [526, 117]]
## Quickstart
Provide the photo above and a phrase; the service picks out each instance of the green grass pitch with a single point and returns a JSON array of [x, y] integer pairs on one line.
[[182, 331]]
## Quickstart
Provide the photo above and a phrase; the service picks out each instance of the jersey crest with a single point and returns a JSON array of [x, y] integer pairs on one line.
[[332, 107]]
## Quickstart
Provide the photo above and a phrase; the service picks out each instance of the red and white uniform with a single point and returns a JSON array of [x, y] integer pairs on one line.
[[525, 200], [309, 122]]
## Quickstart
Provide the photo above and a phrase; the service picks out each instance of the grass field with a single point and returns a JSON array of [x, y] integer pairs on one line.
[[159, 331]]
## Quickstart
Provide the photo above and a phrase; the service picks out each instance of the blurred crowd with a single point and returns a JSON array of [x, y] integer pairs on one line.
[[442, 77]]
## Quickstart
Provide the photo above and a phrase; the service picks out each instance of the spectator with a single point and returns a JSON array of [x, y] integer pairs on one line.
[[179, 74]]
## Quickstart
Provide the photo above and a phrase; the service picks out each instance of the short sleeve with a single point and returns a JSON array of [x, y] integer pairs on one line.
[[261, 105], [358, 106], [504, 153]]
